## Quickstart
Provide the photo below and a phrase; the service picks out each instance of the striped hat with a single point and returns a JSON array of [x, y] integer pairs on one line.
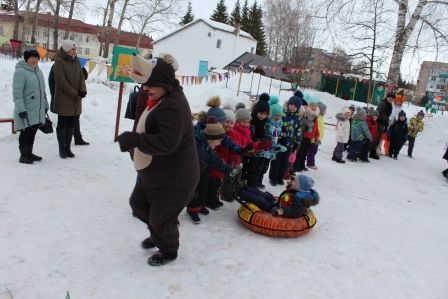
[[213, 130]]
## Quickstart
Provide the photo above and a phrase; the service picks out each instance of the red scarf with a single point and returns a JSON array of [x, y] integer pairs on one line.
[[151, 103]]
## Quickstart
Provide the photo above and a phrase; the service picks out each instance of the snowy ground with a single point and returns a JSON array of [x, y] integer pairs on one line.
[[66, 224]]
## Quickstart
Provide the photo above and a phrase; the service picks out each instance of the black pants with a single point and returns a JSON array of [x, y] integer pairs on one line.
[[394, 148], [65, 122], [263, 200], [212, 197], [355, 149], [252, 167], [160, 208], [411, 145], [263, 169], [279, 166], [299, 165], [365, 150], [77, 130], [27, 136], [206, 184]]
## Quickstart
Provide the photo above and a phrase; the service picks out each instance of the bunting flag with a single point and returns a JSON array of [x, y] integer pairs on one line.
[[92, 65], [109, 70], [15, 44], [3, 40], [42, 52], [101, 67], [293, 70], [82, 61], [200, 80]]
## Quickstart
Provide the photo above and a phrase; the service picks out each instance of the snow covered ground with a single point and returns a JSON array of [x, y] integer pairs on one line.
[[66, 224]]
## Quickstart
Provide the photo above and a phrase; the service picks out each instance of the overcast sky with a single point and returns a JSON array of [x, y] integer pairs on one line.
[[204, 8]]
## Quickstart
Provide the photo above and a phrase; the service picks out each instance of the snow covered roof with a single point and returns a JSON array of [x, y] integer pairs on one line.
[[213, 24]]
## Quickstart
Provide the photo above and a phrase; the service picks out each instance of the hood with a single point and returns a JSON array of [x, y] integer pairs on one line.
[[64, 55], [312, 114], [23, 65], [340, 116]]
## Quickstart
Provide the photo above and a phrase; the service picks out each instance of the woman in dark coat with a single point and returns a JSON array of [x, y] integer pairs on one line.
[[445, 172], [165, 156]]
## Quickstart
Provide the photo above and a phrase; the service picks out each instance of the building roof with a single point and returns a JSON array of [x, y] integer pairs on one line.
[[249, 61], [212, 24], [46, 20]]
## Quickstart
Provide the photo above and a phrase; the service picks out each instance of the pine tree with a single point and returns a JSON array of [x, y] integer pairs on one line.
[[220, 13], [7, 5], [188, 17], [256, 28], [235, 16], [245, 22]]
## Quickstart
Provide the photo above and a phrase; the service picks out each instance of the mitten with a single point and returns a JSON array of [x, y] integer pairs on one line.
[[127, 141], [277, 211], [248, 148], [23, 115], [262, 145], [82, 94]]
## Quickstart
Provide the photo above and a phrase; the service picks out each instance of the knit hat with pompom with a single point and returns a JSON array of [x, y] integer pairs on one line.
[[219, 114], [262, 105], [276, 108], [213, 130]]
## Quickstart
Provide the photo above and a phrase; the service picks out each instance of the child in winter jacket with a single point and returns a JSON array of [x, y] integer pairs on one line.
[[398, 134], [295, 201], [368, 146], [289, 138], [311, 157], [310, 131], [415, 126], [253, 165], [359, 132], [342, 134]]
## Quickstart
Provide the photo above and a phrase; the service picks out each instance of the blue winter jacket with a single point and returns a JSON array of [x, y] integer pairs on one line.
[[291, 129], [208, 157]]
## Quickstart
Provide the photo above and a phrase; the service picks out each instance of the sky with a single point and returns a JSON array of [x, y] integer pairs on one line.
[[204, 8]]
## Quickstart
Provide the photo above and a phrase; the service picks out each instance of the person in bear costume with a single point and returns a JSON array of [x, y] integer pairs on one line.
[[165, 156]]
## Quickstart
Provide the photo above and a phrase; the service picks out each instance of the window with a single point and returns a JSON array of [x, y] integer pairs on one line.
[[87, 39], [86, 51], [44, 45], [37, 32], [72, 37], [433, 78], [80, 38], [252, 50], [79, 49], [45, 33], [1, 30], [218, 44]]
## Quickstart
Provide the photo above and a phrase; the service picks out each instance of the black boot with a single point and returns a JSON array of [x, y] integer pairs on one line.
[[33, 156], [445, 173], [24, 155], [160, 258], [81, 142], [148, 243], [68, 142], [60, 133]]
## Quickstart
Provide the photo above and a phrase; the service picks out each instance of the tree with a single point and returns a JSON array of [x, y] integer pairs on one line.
[[256, 28], [8, 5], [245, 22], [105, 12], [56, 24], [108, 28], [33, 31], [220, 13], [26, 17], [235, 16], [188, 17], [70, 17], [120, 22]]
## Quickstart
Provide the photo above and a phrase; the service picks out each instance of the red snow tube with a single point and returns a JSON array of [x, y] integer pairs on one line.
[[264, 223]]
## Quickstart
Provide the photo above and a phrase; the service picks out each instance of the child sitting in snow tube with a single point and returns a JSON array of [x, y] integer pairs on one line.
[[288, 216]]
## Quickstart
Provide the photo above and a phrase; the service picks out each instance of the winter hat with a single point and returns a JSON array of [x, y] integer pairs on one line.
[[361, 112], [296, 101], [391, 95], [240, 105], [305, 182], [213, 130], [310, 99], [262, 105], [373, 112], [155, 72], [352, 107], [67, 45], [242, 114], [214, 110], [30, 53], [346, 110], [402, 113], [230, 115], [276, 108], [322, 108], [421, 113], [298, 93]]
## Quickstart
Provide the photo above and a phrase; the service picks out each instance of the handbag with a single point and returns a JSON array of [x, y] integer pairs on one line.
[[132, 104], [47, 128]]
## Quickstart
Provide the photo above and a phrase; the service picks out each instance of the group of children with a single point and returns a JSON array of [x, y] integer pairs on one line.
[[360, 133], [250, 142]]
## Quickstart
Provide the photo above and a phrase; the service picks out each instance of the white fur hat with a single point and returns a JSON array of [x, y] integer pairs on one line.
[[67, 45]]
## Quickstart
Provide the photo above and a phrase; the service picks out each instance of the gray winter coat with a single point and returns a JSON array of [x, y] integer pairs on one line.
[[28, 91]]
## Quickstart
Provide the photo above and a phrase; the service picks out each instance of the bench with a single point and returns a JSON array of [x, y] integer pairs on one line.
[[9, 120]]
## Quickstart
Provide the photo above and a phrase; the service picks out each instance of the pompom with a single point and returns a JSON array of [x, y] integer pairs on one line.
[[227, 107], [239, 106], [214, 102], [211, 120], [298, 93], [273, 100], [202, 116], [264, 97]]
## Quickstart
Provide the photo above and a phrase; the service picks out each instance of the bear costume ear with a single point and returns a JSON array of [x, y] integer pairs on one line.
[[141, 68], [168, 58]]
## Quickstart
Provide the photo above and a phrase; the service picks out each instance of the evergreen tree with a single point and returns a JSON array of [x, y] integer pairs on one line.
[[256, 28], [245, 22], [220, 13], [188, 17], [7, 5], [235, 16]]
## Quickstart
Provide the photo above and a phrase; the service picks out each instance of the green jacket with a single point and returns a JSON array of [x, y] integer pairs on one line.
[[28, 91], [360, 131], [415, 126], [69, 81]]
